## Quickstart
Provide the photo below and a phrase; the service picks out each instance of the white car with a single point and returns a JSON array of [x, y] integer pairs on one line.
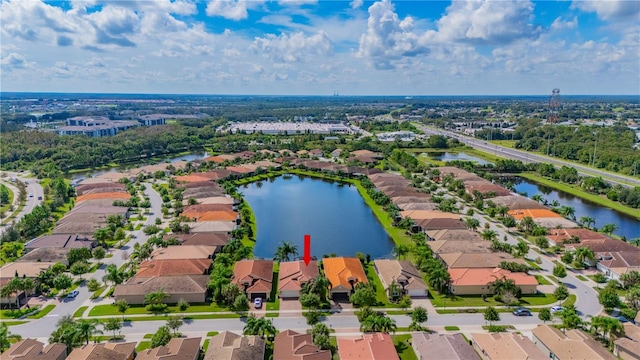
[[556, 309], [73, 294], [257, 303]]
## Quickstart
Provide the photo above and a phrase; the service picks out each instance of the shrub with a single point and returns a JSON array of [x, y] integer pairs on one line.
[[156, 308], [183, 304]]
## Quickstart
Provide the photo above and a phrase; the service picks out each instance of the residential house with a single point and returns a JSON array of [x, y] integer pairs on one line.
[[557, 236], [477, 259], [614, 264], [570, 344], [30, 269], [375, 346], [403, 273], [442, 346], [192, 288], [439, 223], [293, 275], [628, 347], [175, 267], [455, 246], [61, 241], [203, 238], [506, 346], [230, 346], [453, 234], [291, 345], [104, 351], [343, 273], [476, 281], [30, 349], [336, 153], [255, 277], [175, 252], [47, 254], [223, 227], [176, 349]]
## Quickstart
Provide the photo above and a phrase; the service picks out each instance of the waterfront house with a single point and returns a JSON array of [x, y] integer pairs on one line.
[[343, 274], [442, 346], [614, 264], [175, 252], [30, 349], [176, 349], [438, 224], [230, 346], [254, 277], [174, 267], [293, 275], [291, 345], [470, 281], [403, 273], [570, 344], [201, 238], [477, 259], [111, 351], [503, 346], [453, 235], [375, 346]]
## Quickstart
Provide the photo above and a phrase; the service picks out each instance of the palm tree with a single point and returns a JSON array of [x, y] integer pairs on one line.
[[10, 289], [527, 224], [584, 253], [440, 279], [113, 274], [537, 198], [472, 223], [503, 210], [400, 251], [84, 329], [4, 337], [489, 235], [587, 221], [259, 326], [378, 323], [122, 306], [155, 297], [609, 228], [285, 251]]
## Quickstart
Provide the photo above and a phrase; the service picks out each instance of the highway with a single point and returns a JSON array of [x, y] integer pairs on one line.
[[528, 157]]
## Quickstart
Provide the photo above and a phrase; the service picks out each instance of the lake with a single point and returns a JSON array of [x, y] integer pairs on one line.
[[93, 173], [447, 156], [335, 215], [627, 225]]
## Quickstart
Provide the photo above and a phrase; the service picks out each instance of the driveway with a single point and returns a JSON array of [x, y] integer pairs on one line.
[[290, 308]]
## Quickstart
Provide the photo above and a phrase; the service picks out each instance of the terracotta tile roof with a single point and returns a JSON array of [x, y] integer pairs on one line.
[[376, 346], [30, 349], [486, 188], [151, 268], [211, 215], [517, 202], [193, 178], [209, 207], [557, 235], [507, 346], [571, 344], [104, 195], [258, 274], [290, 345], [428, 214], [533, 213], [619, 259], [183, 284], [400, 271], [293, 274], [230, 346], [477, 260], [483, 276], [108, 351], [220, 158], [442, 346], [174, 252], [239, 169], [415, 198], [340, 269], [176, 349]]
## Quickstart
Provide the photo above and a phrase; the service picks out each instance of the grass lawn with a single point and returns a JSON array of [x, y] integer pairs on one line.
[[271, 314], [533, 264], [147, 336], [506, 143], [580, 277], [570, 300], [205, 346], [477, 301], [11, 323], [80, 311], [5, 207], [334, 344], [541, 280], [44, 311], [451, 328], [106, 310], [274, 304], [553, 278], [402, 344], [143, 345], [381, 294]]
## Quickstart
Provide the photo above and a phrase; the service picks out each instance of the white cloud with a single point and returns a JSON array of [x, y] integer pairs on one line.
[[487, 22], [388, 38], [292, 47], [356, 4], [231, 9], [560, 24], [297, 2], [13, 61], [611, 9]]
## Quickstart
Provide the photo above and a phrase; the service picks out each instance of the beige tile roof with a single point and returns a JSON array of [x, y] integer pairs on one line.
[[428, 214], [28, 268], [400, 271], [30, 349], [454, 246], [507, 346], [454, 234], [230, 346], [183, 252], [108, 351], [184, 284], [293, 274], [170, 267], [176, 349], [442, 346], [572, 344], [290, 345], [375, 346], [477, 260]]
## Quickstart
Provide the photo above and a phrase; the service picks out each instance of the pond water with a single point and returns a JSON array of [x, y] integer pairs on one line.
[[335, 215], [93, 173], [447, 156], [628, 226]]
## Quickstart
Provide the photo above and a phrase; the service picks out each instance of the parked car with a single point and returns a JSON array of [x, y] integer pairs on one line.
[[30, 195], [622, 319], [556, 309], [73, 294], [522, 312], [257, 303], [39, 197]]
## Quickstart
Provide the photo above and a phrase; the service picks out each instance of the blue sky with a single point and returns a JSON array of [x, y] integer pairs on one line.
[[311, 47]]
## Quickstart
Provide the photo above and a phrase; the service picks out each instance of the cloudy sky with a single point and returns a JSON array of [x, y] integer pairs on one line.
[[311, 47]]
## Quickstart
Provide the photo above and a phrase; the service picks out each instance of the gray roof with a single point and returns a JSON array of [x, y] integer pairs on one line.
[[184, 284], [46, 254], [230, 346], [58, 240], [399, 271]]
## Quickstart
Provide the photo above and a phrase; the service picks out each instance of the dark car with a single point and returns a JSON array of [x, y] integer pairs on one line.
[[522, 312], [622, 319]]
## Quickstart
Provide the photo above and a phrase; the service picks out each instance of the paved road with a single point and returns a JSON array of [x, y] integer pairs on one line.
[[528, 157], [34, 188], [47, 324]]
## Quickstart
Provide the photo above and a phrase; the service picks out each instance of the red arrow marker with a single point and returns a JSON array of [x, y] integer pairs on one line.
[[307, 249]]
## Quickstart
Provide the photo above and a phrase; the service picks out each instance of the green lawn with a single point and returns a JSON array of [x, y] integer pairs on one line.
[[274, 303], [381, 293], [212, 333], [205, 346], [147, 336], [580, 277], [451, 328], [533, 264], [143, 345], [44, 311], [106, 310], [403, 347], [477, 301], [553, 278], [505, 143], [12, 323], [541, 280], [80, 311], [5, 207]]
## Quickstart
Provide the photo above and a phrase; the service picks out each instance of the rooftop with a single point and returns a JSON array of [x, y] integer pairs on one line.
[[256, 274], [30, 349], [174, 252], [291, 345], [230, 346], [375, 346], [571, 344], [507, 346], [151, 268], [340, 269], [293, 274], [442, 346], [104, 351], [401, 272], [484, 276], [176, 349]]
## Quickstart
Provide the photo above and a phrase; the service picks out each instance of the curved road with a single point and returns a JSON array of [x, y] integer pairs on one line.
[[528, 157], [34, 188]]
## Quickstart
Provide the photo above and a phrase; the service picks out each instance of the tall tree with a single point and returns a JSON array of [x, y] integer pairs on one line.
[[285, 251]]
